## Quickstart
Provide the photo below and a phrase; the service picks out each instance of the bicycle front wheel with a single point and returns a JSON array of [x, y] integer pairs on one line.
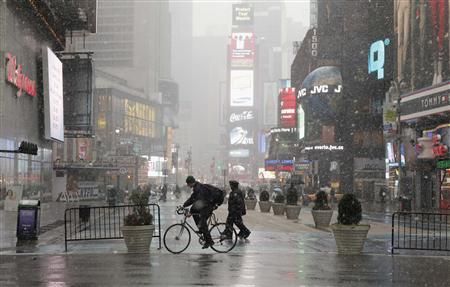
[[222, 244], [177, 238]]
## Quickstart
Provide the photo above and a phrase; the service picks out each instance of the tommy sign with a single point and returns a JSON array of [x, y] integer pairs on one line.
[[15, 76], [427, 102], [241, 116]]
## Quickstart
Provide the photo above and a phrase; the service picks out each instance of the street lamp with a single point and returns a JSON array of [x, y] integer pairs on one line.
[[395, 91]]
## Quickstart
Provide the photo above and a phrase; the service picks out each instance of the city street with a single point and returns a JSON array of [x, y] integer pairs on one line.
[[309, 258], [238, 268]]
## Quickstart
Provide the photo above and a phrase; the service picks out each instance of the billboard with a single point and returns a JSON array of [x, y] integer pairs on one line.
[[53, 95], [239, 153], [241, 88], [245, 116], [78, 94], [279, 165], [288, 107], [242, 49], [241, 136], [242, 15]]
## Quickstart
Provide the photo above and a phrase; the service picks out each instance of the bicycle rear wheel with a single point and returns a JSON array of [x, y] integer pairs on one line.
[[177, 238], [222, 244]]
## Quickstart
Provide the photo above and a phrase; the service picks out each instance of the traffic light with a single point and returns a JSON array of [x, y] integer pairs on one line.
[[28, 148]]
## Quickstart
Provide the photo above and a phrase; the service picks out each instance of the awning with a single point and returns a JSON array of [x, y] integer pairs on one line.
[[434, 100]]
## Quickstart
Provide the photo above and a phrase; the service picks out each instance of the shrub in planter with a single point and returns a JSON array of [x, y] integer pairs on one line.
[[138, 224], [321, 211], [264, 203], [292, 209], [264, 196], [279, 206], [348, 233], [250, 200], [349, 210]]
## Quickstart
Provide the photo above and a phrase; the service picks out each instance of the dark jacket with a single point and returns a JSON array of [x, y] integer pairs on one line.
[[199, 192], [236, 203]]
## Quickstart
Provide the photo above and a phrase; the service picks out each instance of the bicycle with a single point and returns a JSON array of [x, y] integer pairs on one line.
[[178, 237]]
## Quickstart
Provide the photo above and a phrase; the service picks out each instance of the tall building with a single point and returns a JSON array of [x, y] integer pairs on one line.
[[132, 42], [136, 100]]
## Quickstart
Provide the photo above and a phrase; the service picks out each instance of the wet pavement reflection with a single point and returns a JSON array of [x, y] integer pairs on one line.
[[309, 269]]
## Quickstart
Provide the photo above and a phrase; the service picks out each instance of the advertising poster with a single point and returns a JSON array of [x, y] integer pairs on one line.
[[241, 135], [241, 88], [53, 96], [242, 15], [242, 49], [288, 107], [13, 196]]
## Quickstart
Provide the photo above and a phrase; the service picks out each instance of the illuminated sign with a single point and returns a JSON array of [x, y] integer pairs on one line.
[[240, 136], [320, 90], [239, 153], [377, 57], [288, 106], [241, 88], [279, 165], [325, 148], [301, 122], [242, 49], [314, 43], [15, 76], [242, 116], [242, 15]]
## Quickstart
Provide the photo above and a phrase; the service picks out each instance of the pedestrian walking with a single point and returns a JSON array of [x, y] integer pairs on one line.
[[236, 208]]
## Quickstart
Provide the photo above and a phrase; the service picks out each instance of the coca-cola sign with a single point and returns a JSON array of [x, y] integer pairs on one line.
[[241, 116]]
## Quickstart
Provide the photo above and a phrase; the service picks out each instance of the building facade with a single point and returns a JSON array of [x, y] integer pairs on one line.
[[26, 29]]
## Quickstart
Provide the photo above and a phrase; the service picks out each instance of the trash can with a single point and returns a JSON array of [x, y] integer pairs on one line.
[[84, 213], [28, 219]]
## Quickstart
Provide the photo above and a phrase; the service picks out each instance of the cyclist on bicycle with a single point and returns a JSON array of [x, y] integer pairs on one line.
[[201, 208]]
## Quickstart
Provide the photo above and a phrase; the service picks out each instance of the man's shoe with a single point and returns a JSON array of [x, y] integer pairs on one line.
[[246, 235], [207, 245]]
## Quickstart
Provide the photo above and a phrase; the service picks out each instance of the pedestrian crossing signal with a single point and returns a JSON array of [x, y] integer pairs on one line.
[[28, 148]]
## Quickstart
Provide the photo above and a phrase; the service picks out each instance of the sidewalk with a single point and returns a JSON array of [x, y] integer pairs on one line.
[[51, 224]]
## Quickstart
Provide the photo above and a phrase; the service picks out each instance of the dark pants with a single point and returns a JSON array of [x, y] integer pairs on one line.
[[201, 216], [237, 220]]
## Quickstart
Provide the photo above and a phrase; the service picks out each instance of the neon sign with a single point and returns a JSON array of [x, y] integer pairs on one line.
[[377, 57], [14, 76]]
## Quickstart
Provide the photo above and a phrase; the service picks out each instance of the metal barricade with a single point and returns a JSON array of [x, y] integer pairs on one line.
[[420, 231], [102, 222]]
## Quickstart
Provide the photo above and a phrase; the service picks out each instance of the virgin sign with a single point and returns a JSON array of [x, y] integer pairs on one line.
[[15, 76]]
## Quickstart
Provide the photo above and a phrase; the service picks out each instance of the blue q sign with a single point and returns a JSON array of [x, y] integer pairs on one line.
[[377, 57]]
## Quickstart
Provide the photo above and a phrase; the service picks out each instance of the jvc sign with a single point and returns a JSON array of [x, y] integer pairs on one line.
[[377, 57]]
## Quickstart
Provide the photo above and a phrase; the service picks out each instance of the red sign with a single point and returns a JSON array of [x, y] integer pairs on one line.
[[242, 49], [14, 76], [288, 108]]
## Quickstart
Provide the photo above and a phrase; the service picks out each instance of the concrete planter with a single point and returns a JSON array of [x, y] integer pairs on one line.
[[293, 211], [350, 238], [138, 238], [278, 208], [264, 206], [322, 218], [250, 204]]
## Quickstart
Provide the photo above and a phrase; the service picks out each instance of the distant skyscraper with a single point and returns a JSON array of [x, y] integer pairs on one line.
[[132, 42], [314, 13]]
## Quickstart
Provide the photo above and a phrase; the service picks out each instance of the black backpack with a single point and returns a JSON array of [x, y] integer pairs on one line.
[[216, 195]]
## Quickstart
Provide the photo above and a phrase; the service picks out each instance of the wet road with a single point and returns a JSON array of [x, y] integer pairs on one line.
[[310, 269]]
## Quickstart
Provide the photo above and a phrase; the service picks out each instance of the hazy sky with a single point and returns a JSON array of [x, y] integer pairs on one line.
[[216, 14]]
